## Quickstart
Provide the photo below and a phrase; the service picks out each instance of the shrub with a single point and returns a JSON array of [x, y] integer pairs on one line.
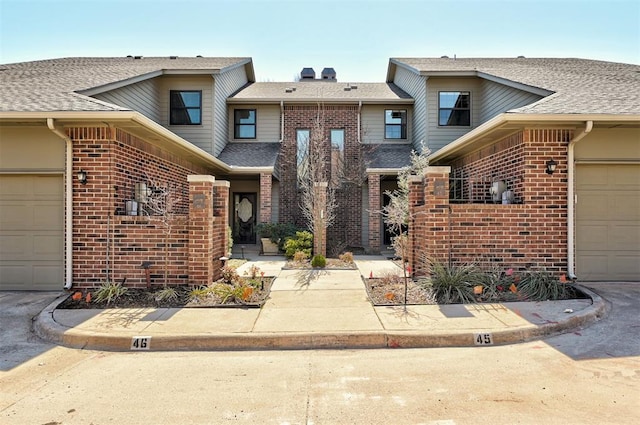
[[166, 294], [453, 284], [318, 261], [230, 275], [300, 256], [253, 272], [303, 241], [542, 286], [277, 233], [109, 291], [346, 257]]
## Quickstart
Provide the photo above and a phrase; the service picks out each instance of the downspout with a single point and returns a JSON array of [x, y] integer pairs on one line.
[[359, 114], [68, 174], [281, 121], [571, 199]]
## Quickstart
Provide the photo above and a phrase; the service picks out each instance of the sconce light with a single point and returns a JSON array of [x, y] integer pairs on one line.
[[551, 166], [142, 192], [82, 176]]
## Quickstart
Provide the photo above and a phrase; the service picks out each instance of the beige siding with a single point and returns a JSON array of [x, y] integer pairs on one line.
[[30, 148], [415, 85], [142, 97], [609, 144], [372, 122], [225, 84], [267, 123], [199, 135], [496, 98], [437, 136]]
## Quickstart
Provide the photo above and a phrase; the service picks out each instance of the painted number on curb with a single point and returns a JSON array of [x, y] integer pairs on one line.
[[141, 343], [483, 339]]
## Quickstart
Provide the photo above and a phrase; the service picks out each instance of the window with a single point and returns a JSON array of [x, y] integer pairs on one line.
[[337, 155], [244, 121], [395, 124], [454, 108], [302, 139], [186, 107]]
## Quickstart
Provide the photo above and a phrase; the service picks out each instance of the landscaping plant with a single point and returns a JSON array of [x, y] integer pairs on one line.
[[303, 241], [543, 286], [318, 261], [109, 291], [452, 284]]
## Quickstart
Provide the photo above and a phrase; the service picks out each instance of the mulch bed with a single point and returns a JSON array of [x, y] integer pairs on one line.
[[146, 298], [391, 292], [332, 264]]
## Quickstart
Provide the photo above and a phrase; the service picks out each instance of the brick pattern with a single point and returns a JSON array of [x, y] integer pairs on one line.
[[374, 215], [525, 236], [347, 227], [108, 244], [265, 198]]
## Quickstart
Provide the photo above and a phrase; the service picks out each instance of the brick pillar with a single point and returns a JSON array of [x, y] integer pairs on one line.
[[429, 219], [320, 227], [201, 229], [374, 212], [265, 198], [220, 225]]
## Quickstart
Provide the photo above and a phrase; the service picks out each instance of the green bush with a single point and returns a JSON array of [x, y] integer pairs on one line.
[[318, 261], [303, 241], [276, 232], [543, 286], [453, 284], [109, 291]]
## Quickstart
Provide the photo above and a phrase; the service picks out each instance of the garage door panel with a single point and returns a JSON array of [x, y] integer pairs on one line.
[[608, 222], [31, 232]]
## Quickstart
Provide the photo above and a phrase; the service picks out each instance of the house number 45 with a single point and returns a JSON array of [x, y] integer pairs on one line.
[[483, 339]]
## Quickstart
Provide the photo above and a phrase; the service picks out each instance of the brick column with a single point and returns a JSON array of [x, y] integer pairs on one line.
[[220, 225], [320, 236], [374, 212], [201, 230], [265, 198]]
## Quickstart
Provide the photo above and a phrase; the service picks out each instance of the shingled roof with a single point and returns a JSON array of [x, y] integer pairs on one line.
[[56, 84], [250, 154], [314, 91], [576, 86]]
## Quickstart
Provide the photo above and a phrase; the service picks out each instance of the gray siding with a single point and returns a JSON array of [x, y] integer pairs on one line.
[[225, 84], [415, 85], [199, 135], [496, 98], [267, 122], [142, 97], [372, 123], [437, 136]]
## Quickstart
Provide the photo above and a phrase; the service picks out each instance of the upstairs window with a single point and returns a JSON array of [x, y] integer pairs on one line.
[[395, 124], [454, 108], [302, 153], [186, 107], [337, 155], [244, 121]]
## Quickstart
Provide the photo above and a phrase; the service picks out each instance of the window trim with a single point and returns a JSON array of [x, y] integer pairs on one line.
[[184, 108], [237, 125], [468, 92], [402, 125]]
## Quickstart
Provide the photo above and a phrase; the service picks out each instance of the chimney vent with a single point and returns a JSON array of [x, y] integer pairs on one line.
[[329, 74], [307, 74]]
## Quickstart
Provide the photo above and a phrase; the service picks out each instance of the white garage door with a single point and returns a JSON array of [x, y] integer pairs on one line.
[[31, 232], [608, 222]]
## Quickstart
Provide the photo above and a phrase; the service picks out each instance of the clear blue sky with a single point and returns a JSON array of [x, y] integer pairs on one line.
[[357, 38]]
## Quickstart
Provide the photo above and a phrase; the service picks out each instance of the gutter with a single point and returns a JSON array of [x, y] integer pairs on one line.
[[359, 117], [571, 199], [68, 174]]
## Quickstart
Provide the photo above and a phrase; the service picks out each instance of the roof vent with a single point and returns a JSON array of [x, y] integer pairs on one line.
[[173, 57], [520, 57], [348, 88], [199, 56], [129, 56], [137, 57], [307, 74], [329, 74], [444, 57]]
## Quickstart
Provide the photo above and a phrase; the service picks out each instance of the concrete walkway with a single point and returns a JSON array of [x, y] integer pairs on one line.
[[310, 309]]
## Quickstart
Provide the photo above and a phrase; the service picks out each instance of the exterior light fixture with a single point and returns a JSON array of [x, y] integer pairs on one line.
[[142, 192], [82, 176], [551, 166]]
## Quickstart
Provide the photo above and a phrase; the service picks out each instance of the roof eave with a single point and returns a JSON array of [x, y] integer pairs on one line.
[[274, 100]]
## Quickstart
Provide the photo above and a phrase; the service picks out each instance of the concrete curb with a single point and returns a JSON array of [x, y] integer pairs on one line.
[[47, 328]]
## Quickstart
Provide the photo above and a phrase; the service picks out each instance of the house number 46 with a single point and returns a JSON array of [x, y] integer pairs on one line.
[[141, 343]]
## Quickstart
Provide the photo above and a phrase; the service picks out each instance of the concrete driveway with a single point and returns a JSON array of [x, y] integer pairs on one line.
[[17, 309]]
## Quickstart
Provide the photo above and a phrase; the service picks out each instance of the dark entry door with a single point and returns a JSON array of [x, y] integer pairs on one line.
[[244, 222]]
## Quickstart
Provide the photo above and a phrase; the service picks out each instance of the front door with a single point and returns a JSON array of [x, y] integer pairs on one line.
[[244, 222]]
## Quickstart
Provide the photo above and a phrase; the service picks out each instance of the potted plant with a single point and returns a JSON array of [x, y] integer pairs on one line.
[[273, 235]]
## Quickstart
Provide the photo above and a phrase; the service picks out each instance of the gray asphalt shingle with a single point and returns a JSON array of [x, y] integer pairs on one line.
[[250, 154], [580, 86], [319, 90]]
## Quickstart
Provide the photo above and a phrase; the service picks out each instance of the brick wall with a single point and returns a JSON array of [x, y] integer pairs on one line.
[[108, 244], [529, 235], [346, 229]]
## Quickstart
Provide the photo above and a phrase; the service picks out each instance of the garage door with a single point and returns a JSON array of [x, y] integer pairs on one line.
[[31, 232], [608, 222]]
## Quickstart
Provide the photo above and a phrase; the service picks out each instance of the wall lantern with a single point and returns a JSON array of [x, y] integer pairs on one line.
[[551, 166], [142, 192], [82, 176]]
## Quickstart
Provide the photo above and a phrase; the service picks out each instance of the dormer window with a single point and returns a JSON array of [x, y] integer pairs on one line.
[[454, 108], [395, 124], [244, 121], [186, 107]]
